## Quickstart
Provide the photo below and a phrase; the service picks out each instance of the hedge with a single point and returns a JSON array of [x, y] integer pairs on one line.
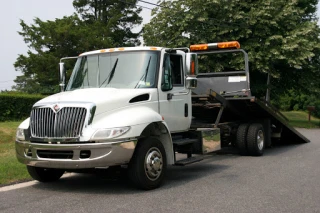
[[14, 107], [293, 100]]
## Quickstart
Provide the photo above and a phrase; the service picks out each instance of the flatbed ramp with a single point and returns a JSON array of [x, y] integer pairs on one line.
[[240, 107]]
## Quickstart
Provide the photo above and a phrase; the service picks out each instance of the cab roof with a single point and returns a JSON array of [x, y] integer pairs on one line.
[[121, 49]]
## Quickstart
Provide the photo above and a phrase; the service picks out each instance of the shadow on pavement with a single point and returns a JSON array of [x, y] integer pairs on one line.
[[118, 183]]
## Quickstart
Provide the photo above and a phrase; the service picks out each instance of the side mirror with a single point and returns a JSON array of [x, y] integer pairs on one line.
[[191, 82], [191, 64], [191, 70], [62, 76], [166, 82]]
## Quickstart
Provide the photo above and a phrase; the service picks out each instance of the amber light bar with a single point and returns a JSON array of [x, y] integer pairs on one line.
[[215, 46]]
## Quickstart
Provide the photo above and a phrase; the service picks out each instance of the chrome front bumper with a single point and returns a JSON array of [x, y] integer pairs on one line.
[[75, 156]]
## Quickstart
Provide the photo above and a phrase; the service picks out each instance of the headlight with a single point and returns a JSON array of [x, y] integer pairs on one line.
[[20, 135], [103, 134]]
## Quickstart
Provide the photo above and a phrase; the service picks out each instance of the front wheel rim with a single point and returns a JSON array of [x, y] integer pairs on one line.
[[153, 163]]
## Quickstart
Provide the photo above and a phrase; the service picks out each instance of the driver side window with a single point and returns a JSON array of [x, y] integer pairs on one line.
[[177, 72]]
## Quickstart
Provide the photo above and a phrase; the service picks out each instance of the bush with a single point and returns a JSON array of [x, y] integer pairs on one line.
[[294, 100], [15, 107], [296, 107]]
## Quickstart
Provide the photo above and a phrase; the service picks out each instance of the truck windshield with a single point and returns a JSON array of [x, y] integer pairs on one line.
[[117, 70]]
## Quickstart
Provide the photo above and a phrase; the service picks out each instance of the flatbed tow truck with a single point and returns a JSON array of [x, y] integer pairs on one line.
[[137, 107]]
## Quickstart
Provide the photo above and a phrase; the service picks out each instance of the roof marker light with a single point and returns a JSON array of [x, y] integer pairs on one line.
[[229, 45]]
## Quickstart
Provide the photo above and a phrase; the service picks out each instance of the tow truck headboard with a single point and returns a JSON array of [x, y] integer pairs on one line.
[[227, 83]]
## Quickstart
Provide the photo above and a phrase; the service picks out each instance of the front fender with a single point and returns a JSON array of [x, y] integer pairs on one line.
[[137, 118]]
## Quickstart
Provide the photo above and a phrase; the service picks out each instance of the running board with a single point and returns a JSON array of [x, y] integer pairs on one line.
[[188, 161]]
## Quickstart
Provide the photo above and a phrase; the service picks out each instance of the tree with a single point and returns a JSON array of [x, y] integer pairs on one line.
[[120, 17], [281, 37], [48, 41]]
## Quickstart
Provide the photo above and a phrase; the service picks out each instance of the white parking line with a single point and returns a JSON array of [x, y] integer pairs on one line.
[[26, 184], [17, 186]]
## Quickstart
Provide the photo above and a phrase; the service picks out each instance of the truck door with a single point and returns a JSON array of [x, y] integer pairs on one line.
[[175, 102]]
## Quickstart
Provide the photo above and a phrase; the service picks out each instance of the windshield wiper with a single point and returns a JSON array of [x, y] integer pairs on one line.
[[145, 74], [147, 70], [110, 76]]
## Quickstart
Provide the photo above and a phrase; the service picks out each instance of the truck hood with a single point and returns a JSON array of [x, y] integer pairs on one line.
[[105, 99]]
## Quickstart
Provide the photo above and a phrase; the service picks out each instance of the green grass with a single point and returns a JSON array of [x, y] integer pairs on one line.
[[10, 169], [300, 119]]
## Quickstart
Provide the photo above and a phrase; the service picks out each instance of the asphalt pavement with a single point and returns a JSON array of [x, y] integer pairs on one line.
[[285, 179]]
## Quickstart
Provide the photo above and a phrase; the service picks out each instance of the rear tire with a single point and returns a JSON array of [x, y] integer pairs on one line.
[[242, 139], [256, 139], [148, 165], [44, 174]]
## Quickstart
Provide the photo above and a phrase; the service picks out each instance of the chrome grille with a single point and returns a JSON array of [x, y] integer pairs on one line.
[[66, 123]]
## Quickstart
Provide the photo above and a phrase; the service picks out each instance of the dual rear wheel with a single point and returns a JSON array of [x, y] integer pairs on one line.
[[251, 139]]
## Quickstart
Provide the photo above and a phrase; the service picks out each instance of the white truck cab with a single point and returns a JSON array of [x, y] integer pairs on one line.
[[119, 107]]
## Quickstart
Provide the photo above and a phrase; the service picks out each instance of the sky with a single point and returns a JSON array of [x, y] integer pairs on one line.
[[12, 43]]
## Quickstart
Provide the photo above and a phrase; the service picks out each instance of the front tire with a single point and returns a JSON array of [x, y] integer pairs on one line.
[[44, 174], [148, 165]]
